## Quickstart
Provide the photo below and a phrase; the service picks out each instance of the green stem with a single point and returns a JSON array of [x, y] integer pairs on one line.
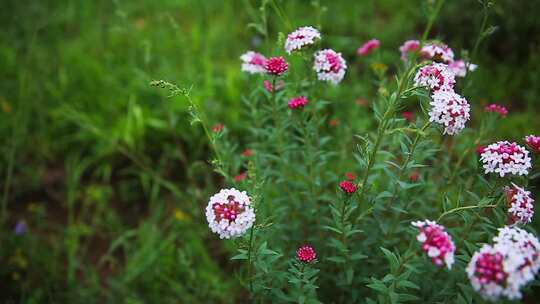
[[464, 208], [431, 20], [250, 264]]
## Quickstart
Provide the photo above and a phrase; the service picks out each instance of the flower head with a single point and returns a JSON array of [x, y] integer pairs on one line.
[[533, 142], [502, 269], [276, 66], [330, 66], [253, 62], [247, 153], [348, 187], [409, 46], [504, 158], [436, 242], [450, 110], [438, 51], [436, 76], [298, 102], [414, 176], [460, 67], [520, 204], [350, 176], [21, 227], [240, 177], [303, 36], [368, 47], [306, 254], [218, 127], [270, 87], [409, 116], [229, 213], [496, 108]]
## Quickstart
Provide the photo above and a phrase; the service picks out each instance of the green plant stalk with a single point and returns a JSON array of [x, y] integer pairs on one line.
[[431, 20], [463, 208], [250, 264]]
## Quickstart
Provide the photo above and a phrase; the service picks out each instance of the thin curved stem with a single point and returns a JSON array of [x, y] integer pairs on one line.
[[463, 208]]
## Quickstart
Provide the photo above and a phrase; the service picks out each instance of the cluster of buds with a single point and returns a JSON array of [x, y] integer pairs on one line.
[[496, 108]]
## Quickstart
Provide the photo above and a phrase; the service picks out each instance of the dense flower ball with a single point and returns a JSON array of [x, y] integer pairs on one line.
[[450, 110], [298, 102], [330, 66], [533, 142], [240, 177], [436, 242], [229, 213], [303, 36], [438, 52], [436, 76], [504, 158], [306, 254], [368, 47], [495, 108], [409, 46], [248, 153], [276, 66], [409, 116], [520, 204], [218, 128], [502, 269], [460, 67], [348, 187], [253, 62]]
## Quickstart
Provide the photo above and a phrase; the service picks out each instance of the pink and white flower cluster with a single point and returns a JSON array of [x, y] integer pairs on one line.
[[438, 51], [504, 158], [533, 142], [502, 269], [436, 242], [229, 213], [450, 110], [520, 203], [330, 66], [409, 46], [436, 76], [303, 36], [460, 67], [253, 62]]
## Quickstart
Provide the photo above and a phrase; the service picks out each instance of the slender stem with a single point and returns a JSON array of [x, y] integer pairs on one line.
[[464, 208], [250, 264], [431, 20]]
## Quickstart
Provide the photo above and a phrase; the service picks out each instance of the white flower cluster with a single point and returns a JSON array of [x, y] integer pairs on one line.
[[450, 110], [330, 66], [253, 62], [502, 269], [301, 37], [521, 204], [460, 67], [436, 76], [505, 158], [229, 213]]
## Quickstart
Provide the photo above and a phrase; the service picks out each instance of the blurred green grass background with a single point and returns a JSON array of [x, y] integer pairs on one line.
[[108, 173]]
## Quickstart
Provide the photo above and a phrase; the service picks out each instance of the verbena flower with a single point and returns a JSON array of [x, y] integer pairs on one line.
[[496, 108], [520, 204], [229, 213], [303, 36], [330, 66], [253, 62], [409, 46], [247, 153], [450, 110], [276, 66], [348, 187], [460, 67], [368, 47], [414, 176], [436, 242], [218, 128], [298, 102], [533, 142], [306, 254], [409, 116], [436, 76], [240, 177], [504, 158], [350, 176], [502, 269], [438, 51]]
